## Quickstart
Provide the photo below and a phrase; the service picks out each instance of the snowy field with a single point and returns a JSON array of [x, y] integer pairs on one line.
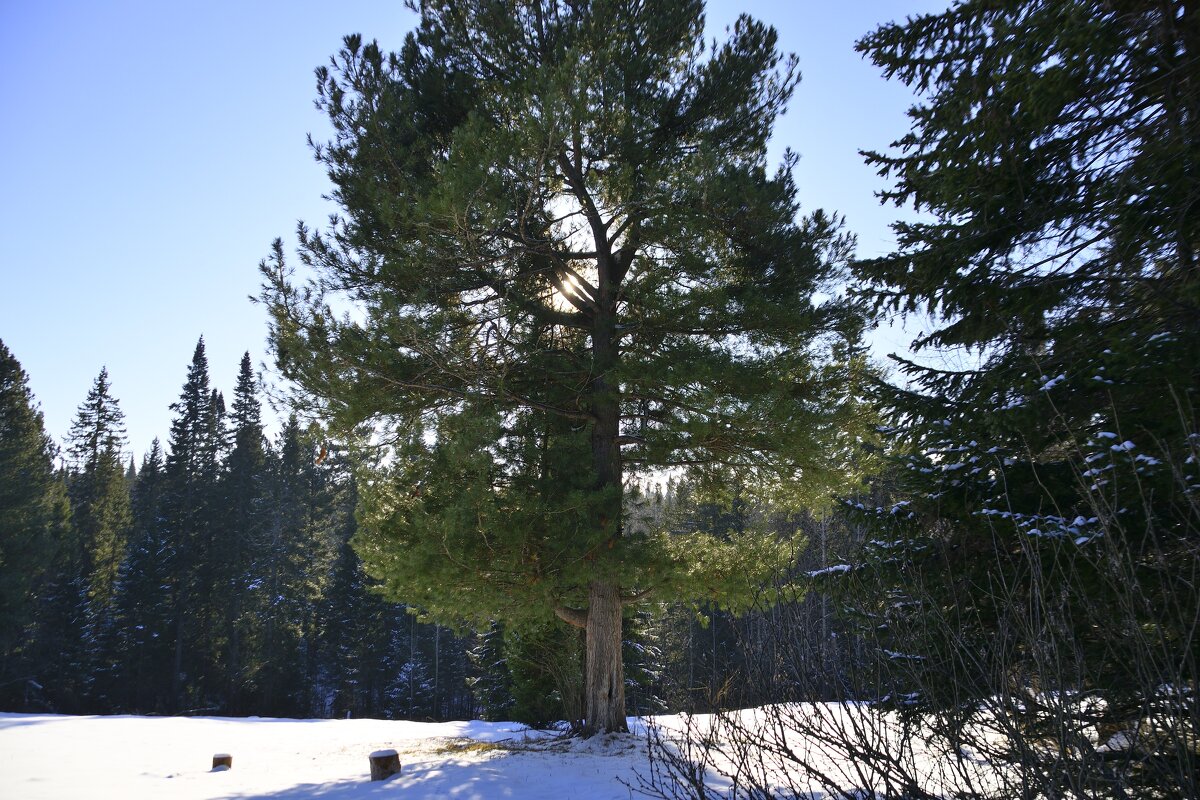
[[170, 758], [52, 757]]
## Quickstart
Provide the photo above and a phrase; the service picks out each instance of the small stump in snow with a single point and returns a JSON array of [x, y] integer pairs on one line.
[[384, 764], [222, 761]]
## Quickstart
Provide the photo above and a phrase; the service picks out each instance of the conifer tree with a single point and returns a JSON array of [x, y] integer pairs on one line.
[[190, 510], [493, 687], [369, 649], [644, 663], [98, 489], [358, 632], [99, 427], [34, 522], [246, 496], [62, 648], [290, 569], [77, 626], [144, 597], [1056, 152], [573, 265]]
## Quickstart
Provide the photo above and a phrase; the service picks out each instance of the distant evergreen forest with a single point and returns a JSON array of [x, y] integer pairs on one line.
[[217, 576]]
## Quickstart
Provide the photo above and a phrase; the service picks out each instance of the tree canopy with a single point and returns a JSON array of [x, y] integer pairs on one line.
[[562, 262]]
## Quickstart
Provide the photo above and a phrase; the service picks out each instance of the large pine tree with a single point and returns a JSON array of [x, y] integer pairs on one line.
[[571, 264]]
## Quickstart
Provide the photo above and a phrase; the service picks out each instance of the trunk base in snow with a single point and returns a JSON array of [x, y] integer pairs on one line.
[[605, 674]]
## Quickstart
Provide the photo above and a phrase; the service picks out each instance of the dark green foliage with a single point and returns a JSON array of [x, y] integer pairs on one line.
[[34, 522], [493, 686], [1061, 247], [520, 544], [191, 511], [572, 265], [99, 427], [60, 651], [290, 563], [144, 595], [235, 590], [101, 518], [644, 664], [363, 638], [245, 493], [701, 656], [1047, 495], [282, 617], [707, 666], [98, 490], [545, 663]]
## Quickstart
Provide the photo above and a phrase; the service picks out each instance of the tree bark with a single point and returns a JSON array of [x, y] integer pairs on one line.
[[604, 678], [604, 688], [605, 674]]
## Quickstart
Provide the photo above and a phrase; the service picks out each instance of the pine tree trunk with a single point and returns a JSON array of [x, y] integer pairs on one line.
[[605, 674], [604, 679]]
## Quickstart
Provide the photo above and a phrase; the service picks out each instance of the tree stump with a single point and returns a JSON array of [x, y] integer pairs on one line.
[[384, 764], [222, 761]]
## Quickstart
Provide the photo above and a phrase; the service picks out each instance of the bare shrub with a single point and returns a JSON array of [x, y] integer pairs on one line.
[[1050, 662]]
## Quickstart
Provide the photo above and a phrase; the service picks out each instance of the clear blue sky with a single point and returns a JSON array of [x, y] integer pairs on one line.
[[150, 151]]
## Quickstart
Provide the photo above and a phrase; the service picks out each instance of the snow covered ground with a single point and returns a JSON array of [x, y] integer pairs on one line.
[[47, 757]]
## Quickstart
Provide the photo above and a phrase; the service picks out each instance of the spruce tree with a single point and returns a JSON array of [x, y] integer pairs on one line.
[[98, 488], [573, 265], [365, 641], [191, 511], [34, 522], [246, 496], [1056, 154], [493, 687], [145, 594], [62, 648], [99, 427], [360, 659], [290, 567]]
